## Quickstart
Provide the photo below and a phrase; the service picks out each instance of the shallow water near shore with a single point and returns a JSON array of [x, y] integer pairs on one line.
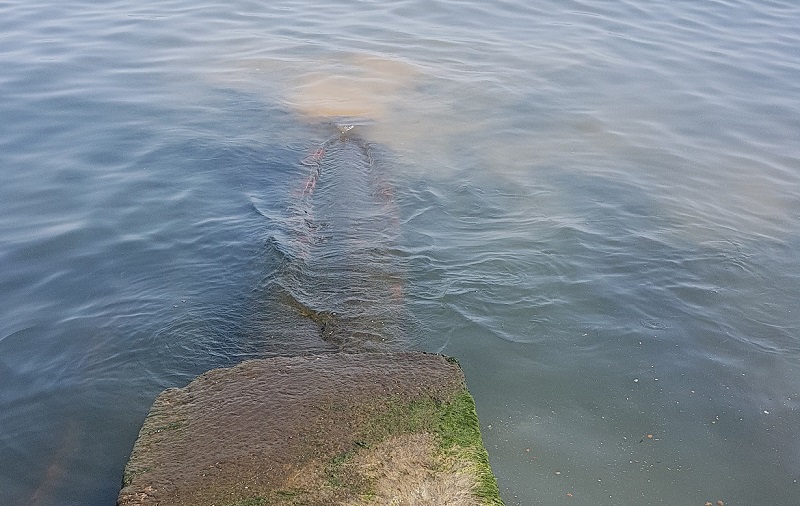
[[594, 206]]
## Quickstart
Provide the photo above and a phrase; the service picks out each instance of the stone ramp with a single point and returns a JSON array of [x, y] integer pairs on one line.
[[335, 429]]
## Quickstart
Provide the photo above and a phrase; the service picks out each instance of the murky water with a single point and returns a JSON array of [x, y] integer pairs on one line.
[[594, 205]]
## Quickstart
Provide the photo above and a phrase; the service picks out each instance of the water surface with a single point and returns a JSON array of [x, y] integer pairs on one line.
[[594, 205]]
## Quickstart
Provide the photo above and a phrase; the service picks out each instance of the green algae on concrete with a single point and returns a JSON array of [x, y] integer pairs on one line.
[[349, 429]]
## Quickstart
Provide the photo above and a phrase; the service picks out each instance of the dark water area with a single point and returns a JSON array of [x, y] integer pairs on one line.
[[594, 206]]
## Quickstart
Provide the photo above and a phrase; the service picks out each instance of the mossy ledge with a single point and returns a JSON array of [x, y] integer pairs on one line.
[[345, 429]]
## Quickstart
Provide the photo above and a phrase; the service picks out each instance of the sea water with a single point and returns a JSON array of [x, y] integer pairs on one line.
[[593, 205]]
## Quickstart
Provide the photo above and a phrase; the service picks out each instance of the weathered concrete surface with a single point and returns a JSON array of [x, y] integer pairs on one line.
[[349, 429]]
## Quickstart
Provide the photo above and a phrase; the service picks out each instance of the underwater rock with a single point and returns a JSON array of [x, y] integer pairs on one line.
[[337, 251], [366, 428]]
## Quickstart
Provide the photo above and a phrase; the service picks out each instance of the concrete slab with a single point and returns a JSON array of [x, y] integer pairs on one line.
[[344, 429]]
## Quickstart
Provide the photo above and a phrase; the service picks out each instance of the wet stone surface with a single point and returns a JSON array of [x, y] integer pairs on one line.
[[365, 428]]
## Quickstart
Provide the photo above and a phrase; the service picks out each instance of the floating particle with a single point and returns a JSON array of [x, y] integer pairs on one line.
[[569, 494], [558, 472]]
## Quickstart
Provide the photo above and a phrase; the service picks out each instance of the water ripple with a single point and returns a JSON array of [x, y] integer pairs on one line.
[[575, 195]]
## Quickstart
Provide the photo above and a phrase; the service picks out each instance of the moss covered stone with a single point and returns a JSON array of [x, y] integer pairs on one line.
[[349, 429]]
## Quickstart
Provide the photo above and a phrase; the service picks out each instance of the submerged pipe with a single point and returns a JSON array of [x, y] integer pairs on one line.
[[344, 274]]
